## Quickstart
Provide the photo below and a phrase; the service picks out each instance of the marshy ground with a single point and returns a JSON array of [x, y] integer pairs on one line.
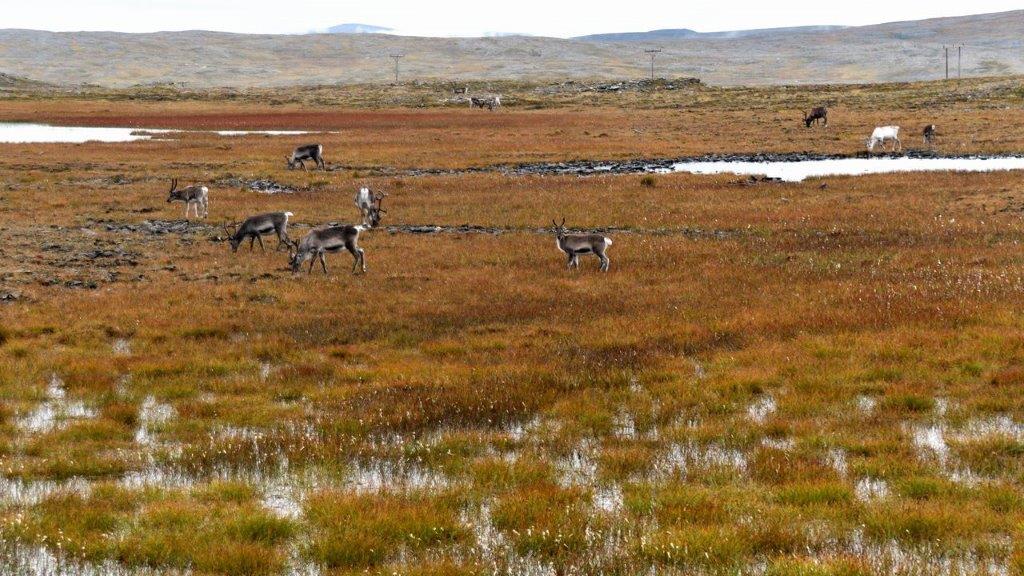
[[822, 377]]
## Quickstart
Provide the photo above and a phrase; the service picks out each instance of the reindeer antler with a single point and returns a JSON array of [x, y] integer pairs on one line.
[[174, 184]]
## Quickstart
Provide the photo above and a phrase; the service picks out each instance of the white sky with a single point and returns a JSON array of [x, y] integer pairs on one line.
[[472, 17]]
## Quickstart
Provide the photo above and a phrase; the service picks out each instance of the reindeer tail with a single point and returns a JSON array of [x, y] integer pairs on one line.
[[607, 241]]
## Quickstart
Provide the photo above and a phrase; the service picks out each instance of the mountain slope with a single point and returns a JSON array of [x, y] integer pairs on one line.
[[679, 33], [353, 28], [899, 51]]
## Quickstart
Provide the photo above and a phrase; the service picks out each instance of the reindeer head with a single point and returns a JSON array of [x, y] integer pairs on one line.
[[376, 211], [296, 256], [559, 228], [233, 238], [290, 161], [175, 195]]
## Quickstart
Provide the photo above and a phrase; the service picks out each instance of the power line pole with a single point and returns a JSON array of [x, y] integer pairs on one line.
[[396, 58], [946, 50], [653, 52], [959, 56]]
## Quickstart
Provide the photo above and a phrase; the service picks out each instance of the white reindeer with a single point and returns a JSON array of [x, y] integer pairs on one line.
[[883, 133], [369, 206]]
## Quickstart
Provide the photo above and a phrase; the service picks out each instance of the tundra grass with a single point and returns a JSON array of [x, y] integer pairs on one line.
[[813, 378]]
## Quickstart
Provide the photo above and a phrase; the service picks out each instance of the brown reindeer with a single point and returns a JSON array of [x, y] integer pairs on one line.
[[817, 114], [195, 195], [576, 244]]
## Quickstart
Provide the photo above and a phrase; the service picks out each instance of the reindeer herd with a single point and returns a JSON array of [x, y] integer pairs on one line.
[[335, 238], [315, 245], [879, 136]]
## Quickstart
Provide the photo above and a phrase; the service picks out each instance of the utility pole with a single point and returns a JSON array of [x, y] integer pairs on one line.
[[653, 52], [959, 56], [396, 58], [946, 50]]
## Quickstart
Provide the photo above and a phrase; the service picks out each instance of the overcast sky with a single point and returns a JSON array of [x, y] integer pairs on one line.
[[472, 17]]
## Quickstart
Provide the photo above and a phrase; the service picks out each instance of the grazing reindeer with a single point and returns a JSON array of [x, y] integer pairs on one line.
[[929, 134], [575, 244], [817, 114], [257, 226], [314, 152], [883, 133], [319, 241], [194, 195], [369, 206], [489, 102]]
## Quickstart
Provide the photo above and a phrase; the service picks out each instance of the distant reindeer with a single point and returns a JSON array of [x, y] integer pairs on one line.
[[314, 152], [489, 102], [319, 241], [459, 90], [575, 244], [195, 195], [883, 133], [817, 114], [255, 227], [929, 134], [369, 206]]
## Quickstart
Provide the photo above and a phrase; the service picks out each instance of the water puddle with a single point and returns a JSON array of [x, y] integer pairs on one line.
[[836, 459], [609, 499], [759, 411], [18, 492], [497, 554], [56, 411], [866, 404], [579, 468], [868, 489], [683, 458], [797, 171], [24, 559], [151, 415], [378, 475], [26, 132]]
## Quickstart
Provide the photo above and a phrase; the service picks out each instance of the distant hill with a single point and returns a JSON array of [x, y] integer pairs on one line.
[[678, 33], [357, 29], [898, 51]]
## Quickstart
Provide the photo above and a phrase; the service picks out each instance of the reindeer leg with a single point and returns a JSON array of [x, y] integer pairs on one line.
[[323, 263], [260, 238], [569, 262], [251, 240]]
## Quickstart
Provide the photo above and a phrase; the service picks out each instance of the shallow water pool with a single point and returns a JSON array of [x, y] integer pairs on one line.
[[797, 171]]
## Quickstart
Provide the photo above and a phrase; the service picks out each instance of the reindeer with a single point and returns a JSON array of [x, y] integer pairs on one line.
[[314, 152], [194, 195], [319, 241], [883, 133], [575, 244], [929, 134], [369, 206], [254, 227], [817, 113], [489, 102]]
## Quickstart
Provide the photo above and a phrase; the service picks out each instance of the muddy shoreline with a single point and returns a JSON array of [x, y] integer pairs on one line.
[[651, 165]]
